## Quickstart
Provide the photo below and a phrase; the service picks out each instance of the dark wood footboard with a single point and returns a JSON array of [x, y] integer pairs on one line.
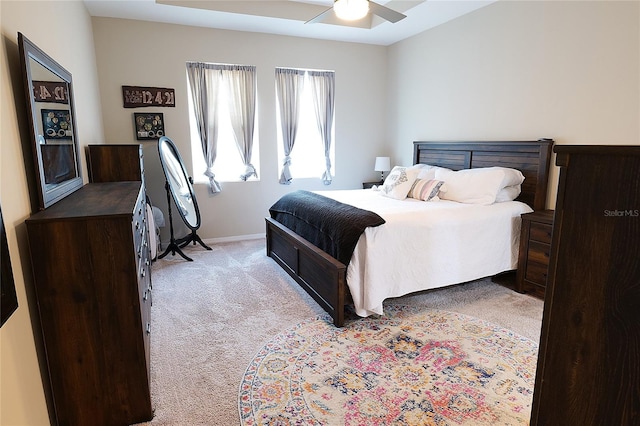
[[319, 274]]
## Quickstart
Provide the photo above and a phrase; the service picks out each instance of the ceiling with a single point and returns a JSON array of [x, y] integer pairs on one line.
[[288, 17]]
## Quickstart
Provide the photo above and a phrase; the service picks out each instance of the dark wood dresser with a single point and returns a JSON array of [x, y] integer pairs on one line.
[[115, 162], [589, 360], [535, 246], [91, 268]]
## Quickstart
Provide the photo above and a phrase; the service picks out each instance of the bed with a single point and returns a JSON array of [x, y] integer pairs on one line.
[[326, 278]]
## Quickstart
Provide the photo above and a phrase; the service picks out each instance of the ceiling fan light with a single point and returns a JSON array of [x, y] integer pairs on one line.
[[351, 10]]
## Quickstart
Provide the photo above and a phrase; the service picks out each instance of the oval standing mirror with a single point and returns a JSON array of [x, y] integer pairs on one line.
[[179, 185], [49, 96]]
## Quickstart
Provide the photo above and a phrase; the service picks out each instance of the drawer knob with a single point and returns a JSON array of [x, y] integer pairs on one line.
[[148, 328]]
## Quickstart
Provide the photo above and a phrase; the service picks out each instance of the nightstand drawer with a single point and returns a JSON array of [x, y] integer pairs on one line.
[[538, 253], [540, 232], [537, 274]]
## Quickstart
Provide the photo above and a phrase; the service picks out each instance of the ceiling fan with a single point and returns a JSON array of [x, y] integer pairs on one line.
[[352, 10]]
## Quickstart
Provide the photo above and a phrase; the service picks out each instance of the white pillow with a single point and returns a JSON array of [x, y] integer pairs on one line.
[[428, 172], [511, 184], [508, 193], [511, 176], [472, 186], [399, 182]]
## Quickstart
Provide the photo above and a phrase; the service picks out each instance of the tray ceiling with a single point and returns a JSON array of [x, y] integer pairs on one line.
[[288, 17]]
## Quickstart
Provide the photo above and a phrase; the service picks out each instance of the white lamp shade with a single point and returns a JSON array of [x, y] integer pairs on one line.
[[383, 164], [351, 10]]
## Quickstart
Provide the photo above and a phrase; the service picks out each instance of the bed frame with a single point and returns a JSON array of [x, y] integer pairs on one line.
[[324, 277]]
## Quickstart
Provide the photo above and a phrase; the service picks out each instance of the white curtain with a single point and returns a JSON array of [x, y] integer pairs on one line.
[[241, 82], [288, 91], [323, 85], [204, 80]]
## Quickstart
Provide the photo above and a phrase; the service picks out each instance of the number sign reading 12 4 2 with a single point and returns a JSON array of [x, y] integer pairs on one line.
[[51, 91], [135, 96]]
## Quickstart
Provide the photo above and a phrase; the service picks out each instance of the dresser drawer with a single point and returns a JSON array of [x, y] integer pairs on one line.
[[145, 310], [139, 223]]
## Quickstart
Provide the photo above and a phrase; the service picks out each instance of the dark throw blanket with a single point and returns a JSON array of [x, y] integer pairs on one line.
[[330, 225]]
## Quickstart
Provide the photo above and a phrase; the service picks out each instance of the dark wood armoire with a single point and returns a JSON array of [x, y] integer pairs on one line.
[[589, 361]]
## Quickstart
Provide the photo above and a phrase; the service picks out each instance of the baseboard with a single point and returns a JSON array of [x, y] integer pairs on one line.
[[220, 240], [234, 238]]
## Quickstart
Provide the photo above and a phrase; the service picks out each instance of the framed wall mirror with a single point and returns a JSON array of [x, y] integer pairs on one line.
[[49, 95]]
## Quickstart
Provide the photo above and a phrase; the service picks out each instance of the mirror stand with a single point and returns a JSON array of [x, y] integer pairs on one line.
[[179, 185], [184, 241], [174, 245]]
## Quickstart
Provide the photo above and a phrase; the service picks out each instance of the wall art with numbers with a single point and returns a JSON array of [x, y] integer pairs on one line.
[[51, 91], [136, 97]]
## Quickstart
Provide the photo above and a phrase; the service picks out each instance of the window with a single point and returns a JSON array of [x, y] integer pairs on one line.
[[222, 111], [305, 103]]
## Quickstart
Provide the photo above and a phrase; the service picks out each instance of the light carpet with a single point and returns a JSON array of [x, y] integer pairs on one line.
[[411, 367], [210, 317]]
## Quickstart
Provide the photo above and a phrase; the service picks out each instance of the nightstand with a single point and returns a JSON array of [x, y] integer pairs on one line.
[[535, 246], [367, 185]]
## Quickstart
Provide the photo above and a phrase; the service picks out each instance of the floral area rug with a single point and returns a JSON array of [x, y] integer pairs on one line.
[[411, 367]]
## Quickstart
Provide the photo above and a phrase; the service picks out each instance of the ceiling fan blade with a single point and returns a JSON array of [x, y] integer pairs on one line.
[[320, 17], [386, 13]]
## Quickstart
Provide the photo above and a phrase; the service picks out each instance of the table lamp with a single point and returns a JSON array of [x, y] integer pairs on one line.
[[383, 164]]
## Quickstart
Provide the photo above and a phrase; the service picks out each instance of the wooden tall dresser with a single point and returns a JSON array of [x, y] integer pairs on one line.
[[589, 360], [91, 267], [115, 162]]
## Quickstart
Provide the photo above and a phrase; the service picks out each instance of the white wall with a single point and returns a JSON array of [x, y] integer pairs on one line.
[[151, 54], [63, 30], [566, 70]]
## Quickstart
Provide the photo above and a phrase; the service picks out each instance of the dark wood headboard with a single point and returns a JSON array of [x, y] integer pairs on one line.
[[532, 158]]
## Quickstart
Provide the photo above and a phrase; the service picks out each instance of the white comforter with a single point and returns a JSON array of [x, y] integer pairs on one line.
[[425, 245]]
